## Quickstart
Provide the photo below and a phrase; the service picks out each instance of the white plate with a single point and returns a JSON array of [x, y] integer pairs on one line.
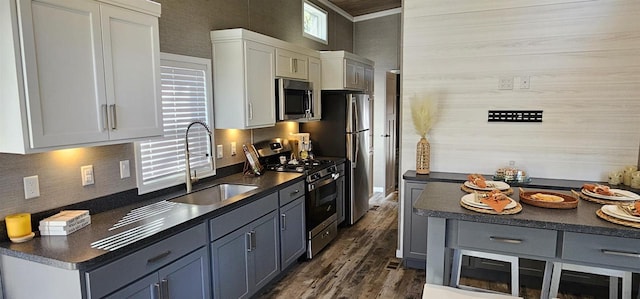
[[497, 185], [614, 211], [470, 199], [628, 195]]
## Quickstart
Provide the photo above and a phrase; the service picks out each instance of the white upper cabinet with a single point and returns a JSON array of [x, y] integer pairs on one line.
[[291, 64], [342, 70], [243, 80], [77, 73], [245, 66]]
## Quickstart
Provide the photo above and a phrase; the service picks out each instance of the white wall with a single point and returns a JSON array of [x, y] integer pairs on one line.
[[584, 66]]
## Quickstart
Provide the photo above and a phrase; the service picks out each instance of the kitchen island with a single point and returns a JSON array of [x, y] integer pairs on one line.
[[575, 236]]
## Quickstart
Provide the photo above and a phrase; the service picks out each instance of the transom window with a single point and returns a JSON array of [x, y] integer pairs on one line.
[[186, 97], [314, 21]]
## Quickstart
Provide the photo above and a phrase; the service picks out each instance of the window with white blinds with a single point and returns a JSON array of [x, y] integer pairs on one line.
[[186, 97]]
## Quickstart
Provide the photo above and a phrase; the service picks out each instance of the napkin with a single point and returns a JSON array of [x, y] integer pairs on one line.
[[636, 211], [496, 200]]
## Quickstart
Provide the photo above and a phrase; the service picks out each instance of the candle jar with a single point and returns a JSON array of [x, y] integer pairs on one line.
[[616, 177], [628, 170], [635, 180], [18, 226]]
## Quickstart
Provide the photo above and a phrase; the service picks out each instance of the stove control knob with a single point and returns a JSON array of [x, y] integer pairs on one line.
[[315, 176]]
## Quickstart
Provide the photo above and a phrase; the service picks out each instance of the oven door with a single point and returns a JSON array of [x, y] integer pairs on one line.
[[321, 200]]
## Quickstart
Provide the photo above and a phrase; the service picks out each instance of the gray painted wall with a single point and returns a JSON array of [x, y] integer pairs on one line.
[[379, 40], [184, 29]]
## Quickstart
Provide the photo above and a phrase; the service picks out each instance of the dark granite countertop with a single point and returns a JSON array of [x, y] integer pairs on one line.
[[452, 177], [74, 251], [442, 199]]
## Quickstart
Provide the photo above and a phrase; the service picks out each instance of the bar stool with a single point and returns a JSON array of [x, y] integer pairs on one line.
[[437, 291], [614, 275], [457, 264]]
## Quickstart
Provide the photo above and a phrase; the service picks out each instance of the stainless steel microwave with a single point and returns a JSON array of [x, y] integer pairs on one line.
[[294, 98]]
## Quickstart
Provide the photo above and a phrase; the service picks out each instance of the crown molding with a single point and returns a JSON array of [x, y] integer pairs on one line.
[[379, 14]]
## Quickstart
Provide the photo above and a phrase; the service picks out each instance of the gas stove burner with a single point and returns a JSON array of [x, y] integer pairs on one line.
[[300, 166]]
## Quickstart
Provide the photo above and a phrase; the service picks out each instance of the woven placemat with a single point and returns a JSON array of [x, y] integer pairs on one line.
[[615, 220], [469, 190], [514, 210], [600, 200]]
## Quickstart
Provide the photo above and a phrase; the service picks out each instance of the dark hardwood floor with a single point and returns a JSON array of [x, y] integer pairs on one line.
[[359, 263]]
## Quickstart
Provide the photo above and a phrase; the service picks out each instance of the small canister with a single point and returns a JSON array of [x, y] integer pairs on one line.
[[635, 180], [628, 170], [616, 177]]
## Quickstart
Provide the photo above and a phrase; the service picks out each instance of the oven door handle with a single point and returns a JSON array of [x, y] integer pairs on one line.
[[324, 182]]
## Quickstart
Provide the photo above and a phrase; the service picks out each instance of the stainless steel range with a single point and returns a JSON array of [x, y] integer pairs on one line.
[[321, 190]]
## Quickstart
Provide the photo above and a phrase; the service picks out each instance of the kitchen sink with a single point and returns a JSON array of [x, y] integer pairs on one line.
[[215, 194]]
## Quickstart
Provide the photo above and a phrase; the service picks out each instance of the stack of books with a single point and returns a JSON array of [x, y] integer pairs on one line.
[[64, 223]]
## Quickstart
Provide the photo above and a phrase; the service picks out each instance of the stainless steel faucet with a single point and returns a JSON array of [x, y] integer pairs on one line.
[[189, 180]]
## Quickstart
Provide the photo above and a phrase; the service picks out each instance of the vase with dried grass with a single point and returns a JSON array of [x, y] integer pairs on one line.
[[423, 113]]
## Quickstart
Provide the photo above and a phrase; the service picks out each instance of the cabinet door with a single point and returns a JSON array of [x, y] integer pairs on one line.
[[145, 288], [315, 77], [132, 73], [187, 277], [354, 75], [368, 80], [229, 258], [265, 252], [260, 85], [64, 71], [292, 232], [291, 64], [340, 208], [415, 226]]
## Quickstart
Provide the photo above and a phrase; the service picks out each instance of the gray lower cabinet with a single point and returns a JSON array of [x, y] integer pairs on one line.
[[292, 232], [340, 204], [187, 277], [172, 268], [247, 256], [415, 228]]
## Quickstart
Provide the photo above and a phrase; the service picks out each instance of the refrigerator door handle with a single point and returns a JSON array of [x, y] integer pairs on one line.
[[354, 108], [356, 149]]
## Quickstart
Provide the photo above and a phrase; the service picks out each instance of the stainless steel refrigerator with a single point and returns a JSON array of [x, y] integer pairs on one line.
[[344, 132]]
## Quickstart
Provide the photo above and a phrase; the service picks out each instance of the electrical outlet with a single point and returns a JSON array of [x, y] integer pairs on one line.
[[86, 172], [505, 83], [31, 187], [219, 151], [125, 171], [233, 148], [524, 82]]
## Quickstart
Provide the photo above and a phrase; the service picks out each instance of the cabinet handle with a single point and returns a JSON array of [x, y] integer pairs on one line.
[[158, 257], [250, 110], [295, 65], [155, 291], [621, 253], [105, 117], [505, 240], [283, 221], [113, 116], [294, 192], [164, 289], [251, 242]]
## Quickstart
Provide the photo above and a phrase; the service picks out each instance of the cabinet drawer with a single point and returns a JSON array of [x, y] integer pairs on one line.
[[228, 222], [290, 193], [604, 250], [115, 275], [509, 239]]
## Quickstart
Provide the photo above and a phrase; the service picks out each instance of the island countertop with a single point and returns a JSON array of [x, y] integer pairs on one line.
[[442, 200]]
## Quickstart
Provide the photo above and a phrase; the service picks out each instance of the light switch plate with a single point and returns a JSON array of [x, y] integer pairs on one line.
[[219, 153], [125, 171]]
